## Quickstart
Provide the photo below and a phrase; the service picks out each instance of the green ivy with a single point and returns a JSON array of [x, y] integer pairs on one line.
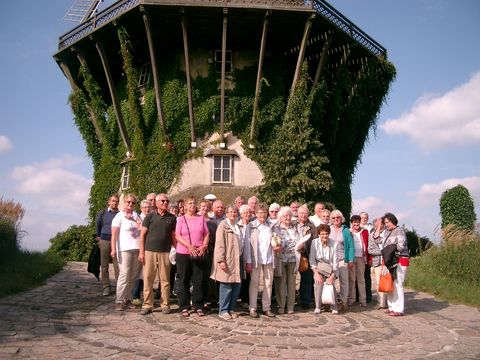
[[307, 143], [457, 208]]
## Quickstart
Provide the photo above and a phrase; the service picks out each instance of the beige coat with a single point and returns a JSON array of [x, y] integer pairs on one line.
[[226, 249]]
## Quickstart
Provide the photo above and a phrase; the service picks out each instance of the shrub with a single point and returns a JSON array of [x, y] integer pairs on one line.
[[417, 244], [11, 214], [457, 208], [74, 244]]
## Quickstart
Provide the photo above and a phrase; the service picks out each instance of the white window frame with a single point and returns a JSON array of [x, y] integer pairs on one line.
[[145, 75], [222, 168], [125, 181]]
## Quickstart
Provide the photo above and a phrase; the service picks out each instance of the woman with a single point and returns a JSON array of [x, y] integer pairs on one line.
[[395, 235], [288, 260], [323, 250], [126, 226], [192, 242], [261, 258], [243, 225], [273, 214], [340, 235], [228, 263], [356, 273], [374, 242]]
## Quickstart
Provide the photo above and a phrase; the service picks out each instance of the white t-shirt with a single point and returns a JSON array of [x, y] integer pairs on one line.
[[358, 244], [129, 235]]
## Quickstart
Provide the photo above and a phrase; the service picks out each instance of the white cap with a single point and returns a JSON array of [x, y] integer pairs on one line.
[[210, 197]]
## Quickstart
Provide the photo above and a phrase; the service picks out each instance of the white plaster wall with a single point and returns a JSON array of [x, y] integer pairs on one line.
[[197, 172]]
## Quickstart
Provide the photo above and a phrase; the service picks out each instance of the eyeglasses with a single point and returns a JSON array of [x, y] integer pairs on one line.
[[274, 211], [130, 202], [164, 201], [336, 217]]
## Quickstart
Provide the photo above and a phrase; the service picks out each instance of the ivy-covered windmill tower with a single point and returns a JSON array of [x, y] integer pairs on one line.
[[275, 96]]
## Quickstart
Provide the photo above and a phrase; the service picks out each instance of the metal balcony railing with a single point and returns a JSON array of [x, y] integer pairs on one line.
[[320, 6]]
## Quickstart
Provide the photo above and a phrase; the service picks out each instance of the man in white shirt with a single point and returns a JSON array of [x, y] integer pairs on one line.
[[316, 218]]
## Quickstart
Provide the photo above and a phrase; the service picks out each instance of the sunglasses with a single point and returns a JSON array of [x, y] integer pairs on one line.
[[130, 202], [164, 201]]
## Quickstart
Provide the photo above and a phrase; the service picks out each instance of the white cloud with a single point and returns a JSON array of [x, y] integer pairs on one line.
[[5, 144], [429, 194], [55, 197], [451, 119]]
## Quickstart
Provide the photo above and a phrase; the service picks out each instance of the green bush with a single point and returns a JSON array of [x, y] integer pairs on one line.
[[74, 244], [449, 270], [417, 244], [457, 208]]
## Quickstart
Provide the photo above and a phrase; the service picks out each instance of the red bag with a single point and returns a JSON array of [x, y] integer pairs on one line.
[[385, 283]]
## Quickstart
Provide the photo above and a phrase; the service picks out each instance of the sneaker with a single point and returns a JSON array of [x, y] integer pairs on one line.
[[106, 291], [119, 307], [137, 302], [281, 311], [165, 311], [334, 312], [290, 312], [146, 311], [253, 313], [317, 311], [225, 316]]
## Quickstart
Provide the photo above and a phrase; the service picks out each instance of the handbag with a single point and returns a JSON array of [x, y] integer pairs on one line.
[[196, 258], [94, 261], [385, 283], [303, 264], [328, 294], [324, 269]]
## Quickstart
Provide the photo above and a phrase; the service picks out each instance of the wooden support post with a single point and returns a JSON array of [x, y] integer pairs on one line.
[[193, 143], [222, 79], [355, 85], [73, 84], [323, 59], [156, 80], [301, 53], [259, 76], [115, 102]]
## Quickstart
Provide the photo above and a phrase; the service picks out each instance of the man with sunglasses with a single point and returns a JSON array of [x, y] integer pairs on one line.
[[156, 239]]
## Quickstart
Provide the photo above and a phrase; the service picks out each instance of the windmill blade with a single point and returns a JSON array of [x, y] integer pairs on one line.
[[81, 10]]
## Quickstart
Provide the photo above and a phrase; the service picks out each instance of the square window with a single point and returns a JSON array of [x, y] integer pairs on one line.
[[228, 61]]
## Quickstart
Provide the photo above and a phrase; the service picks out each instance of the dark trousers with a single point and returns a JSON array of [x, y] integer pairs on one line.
[[187, 271], [137, 289], [306, 287], [244, 295]]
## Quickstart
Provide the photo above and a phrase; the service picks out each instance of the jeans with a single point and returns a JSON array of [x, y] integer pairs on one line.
[[228, 294]]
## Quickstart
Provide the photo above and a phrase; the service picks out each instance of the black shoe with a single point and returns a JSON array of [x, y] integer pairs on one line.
[[146, 311]]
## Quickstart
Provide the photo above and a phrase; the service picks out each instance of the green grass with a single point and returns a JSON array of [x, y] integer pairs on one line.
[[449, 271], [25, 270]]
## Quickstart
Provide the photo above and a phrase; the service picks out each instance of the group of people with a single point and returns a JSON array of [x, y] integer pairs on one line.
[[228, 254]]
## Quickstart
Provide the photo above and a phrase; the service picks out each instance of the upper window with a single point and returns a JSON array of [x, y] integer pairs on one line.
[[145, 75], [125, 177], [228, 61], [222, 169]]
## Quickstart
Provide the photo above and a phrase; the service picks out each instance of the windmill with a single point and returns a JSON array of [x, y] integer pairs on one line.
[[81, 10]]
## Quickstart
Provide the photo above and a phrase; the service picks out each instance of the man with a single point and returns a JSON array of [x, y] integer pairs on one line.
[[104, 238], [156, 240], [252, 204], [316, 218], [306, 227], [239, 201], [364, 222], [151, 202], [218, 211], [294, 205]]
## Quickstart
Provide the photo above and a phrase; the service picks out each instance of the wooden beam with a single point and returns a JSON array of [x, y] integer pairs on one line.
[[73, 84], [156, 79], [358, 78], [115, 102], [259, 76], [222, 79], [189, 83], [301, 53], [323, 59]]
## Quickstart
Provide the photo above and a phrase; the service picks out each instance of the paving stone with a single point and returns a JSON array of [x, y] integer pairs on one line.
[[68, 318]]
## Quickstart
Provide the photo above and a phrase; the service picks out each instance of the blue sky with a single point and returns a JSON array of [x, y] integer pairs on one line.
[[427, 139]]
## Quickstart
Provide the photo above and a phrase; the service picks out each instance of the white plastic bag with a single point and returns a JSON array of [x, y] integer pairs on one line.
[[328, 294]]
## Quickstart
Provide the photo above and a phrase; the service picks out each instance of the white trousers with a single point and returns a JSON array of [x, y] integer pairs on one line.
[[396, 298], [267, 286], [129, 267]]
